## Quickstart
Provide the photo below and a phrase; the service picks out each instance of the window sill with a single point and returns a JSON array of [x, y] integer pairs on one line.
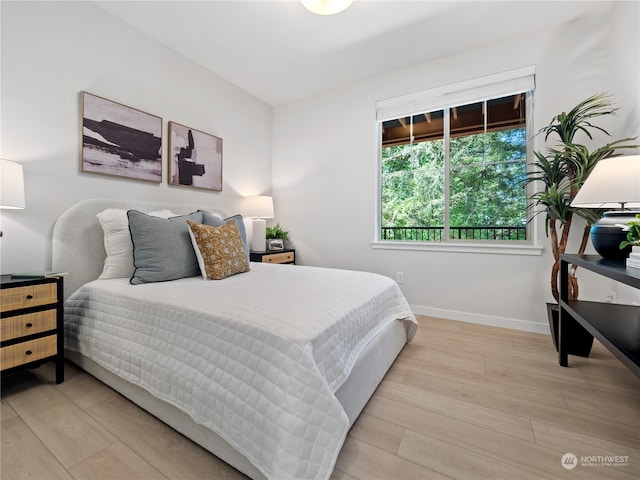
[[493, 248]]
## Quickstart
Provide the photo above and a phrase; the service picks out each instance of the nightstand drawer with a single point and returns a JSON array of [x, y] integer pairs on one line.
[[27, 296], [28, 324], [284, 257], [21, 353]]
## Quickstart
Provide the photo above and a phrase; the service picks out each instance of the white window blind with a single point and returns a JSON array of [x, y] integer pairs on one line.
[[469, 91]]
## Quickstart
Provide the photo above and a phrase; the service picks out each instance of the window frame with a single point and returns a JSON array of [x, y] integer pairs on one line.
[[493, 86]]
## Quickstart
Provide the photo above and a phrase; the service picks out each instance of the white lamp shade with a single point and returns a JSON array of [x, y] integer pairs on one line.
[[613, 183], [326, 7], [11, 185], [259, 206]]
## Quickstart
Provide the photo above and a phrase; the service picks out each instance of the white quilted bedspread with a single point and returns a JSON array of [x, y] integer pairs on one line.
[[256, 357]]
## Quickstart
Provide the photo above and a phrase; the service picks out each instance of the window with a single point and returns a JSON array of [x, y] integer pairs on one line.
[[453, 164]]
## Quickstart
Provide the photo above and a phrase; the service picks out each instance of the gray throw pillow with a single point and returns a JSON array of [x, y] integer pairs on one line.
[[162, 248]]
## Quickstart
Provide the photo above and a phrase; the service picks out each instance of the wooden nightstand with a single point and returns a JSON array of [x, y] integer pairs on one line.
[[31, 321], [288, 255]]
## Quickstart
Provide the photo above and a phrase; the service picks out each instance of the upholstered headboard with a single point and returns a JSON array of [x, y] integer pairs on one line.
[[78, 240]]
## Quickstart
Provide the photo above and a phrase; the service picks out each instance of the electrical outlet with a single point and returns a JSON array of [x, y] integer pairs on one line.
[[400, 277]]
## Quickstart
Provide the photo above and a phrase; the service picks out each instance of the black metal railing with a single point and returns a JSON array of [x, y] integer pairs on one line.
[[436, 234]]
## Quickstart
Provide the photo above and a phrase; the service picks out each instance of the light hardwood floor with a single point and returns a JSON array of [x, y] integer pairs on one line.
[[462, 401]]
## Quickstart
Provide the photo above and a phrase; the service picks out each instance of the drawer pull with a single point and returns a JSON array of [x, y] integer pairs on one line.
[[29, 297], [28, 352], [29, 325]]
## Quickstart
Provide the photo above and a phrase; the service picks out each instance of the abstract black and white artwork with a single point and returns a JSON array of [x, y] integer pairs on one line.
[[120, 140], [195, 158]]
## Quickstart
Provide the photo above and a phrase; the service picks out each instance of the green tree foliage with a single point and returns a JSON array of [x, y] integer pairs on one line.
[[487, 174], [413, 185]]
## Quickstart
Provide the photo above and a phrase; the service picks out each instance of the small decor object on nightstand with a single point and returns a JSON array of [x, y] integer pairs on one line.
[[633, 260], [633, 240], [275, 244], [276, 237]]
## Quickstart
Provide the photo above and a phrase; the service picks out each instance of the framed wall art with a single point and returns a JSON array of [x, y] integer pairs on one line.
[[195, 158], [120, 141]]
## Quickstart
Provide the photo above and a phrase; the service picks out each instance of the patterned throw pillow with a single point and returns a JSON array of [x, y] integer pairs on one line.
[[220, 250]]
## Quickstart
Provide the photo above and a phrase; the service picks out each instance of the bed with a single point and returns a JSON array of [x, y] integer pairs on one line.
[[266, 369]]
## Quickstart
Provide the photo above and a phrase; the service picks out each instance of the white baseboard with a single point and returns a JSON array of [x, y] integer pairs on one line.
[[523, 325]]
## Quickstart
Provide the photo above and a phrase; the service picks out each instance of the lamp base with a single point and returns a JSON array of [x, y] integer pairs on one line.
[[607, 234], [259, 235]]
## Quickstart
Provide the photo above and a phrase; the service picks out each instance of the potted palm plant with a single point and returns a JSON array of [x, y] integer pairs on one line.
[[561, 171]]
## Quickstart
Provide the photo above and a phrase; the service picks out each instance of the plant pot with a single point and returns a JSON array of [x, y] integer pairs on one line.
[[579, 342]]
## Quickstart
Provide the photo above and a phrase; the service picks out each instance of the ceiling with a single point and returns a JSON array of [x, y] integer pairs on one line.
[[280, 52]]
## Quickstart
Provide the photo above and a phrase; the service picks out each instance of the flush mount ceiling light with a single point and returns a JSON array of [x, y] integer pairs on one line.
[[326, 7]]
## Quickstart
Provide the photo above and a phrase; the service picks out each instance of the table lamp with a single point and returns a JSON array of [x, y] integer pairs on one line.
[[11, 186], [613, 183], [258, 208]]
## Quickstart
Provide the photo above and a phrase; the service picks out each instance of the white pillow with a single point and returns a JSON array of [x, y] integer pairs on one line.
[[117, 242]]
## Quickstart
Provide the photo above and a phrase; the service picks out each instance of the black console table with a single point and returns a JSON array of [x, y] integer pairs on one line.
[[616, 326]]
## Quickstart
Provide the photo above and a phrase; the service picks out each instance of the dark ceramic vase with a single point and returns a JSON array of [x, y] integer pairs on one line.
[[607, 233]]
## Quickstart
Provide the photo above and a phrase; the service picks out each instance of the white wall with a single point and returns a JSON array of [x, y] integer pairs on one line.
[[53, 50], [324, 161]]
